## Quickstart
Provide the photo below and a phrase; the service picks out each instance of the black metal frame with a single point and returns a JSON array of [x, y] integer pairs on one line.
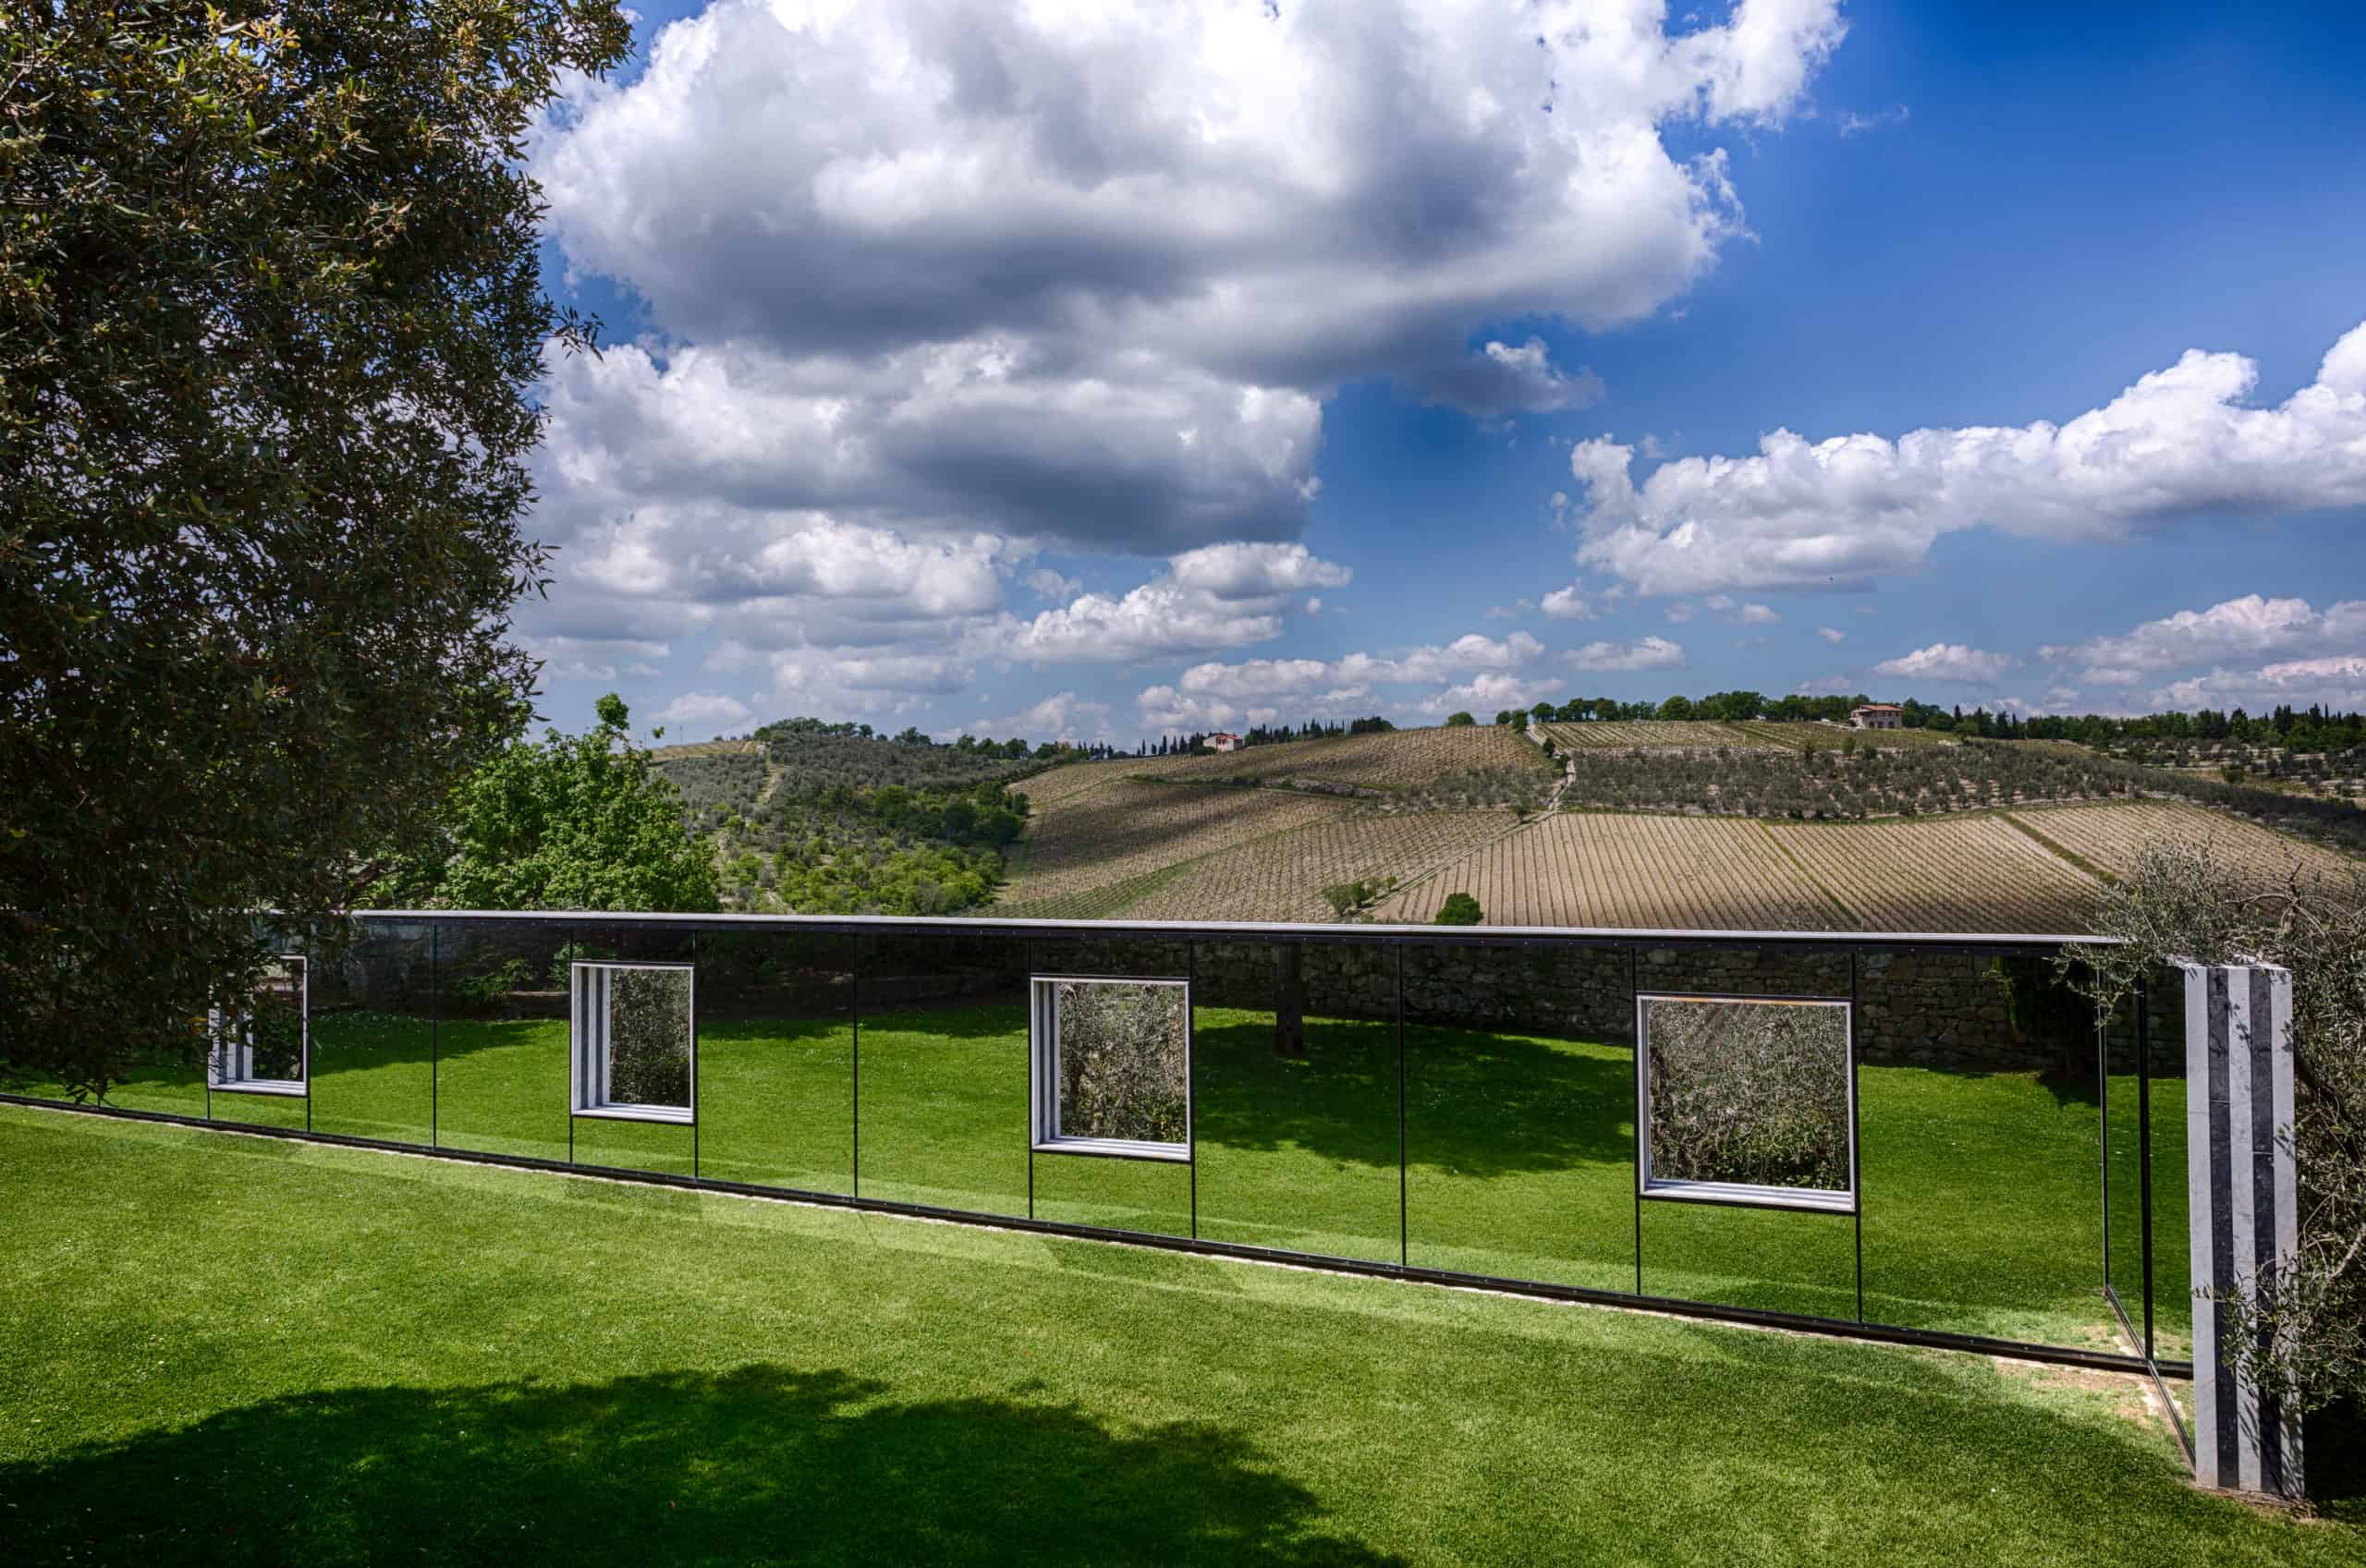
[[1189, 934], [2145, 1341]]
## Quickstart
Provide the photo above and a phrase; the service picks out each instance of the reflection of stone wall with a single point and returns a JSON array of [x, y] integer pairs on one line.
[[1934, 1009], [1927, 1008]]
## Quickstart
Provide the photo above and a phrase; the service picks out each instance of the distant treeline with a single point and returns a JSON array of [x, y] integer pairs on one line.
[[1014, 749], [2300, 729], [1264, 735]]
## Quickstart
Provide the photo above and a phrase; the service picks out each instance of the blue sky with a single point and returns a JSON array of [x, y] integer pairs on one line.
[[1068, 370]]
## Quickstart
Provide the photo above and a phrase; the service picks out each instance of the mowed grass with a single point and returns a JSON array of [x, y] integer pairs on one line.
[[1981, 1208], [219, 1349]]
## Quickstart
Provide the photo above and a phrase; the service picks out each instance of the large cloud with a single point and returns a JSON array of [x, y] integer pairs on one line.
[[964, 280], [2249, 627], [2180, 443], [1130, 451], [1085, 269], [2337, 682], [1286, 195]]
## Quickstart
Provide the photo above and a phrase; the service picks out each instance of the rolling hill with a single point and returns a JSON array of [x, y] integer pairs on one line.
[[1679, 825]]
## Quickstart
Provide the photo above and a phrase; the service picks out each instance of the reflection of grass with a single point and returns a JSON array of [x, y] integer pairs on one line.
[[1522, 1153], [221, 1351], [1981, 1205], [1980, 1191], [2172, 1239]]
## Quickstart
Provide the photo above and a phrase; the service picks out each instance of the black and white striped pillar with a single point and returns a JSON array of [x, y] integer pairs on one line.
[[2244, 1199]]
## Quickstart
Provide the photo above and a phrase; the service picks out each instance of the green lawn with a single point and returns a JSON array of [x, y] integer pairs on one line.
[[1982, 1207], [217, 1349]]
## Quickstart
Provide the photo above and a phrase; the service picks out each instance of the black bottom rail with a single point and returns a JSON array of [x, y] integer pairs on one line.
[[1750, 1316]]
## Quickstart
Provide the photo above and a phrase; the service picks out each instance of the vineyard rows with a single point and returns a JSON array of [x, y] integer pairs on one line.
[[1796, 736], [1090, 838], [1951, 874], [1598, 869], [1282, 878], [1393, 760], [1654, 733], [1073, 779], [2107, 838]]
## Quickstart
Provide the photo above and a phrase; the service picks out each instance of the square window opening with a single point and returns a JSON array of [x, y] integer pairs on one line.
[[267, 1048], [634, 1036], [1746, 1100], [1111, 1066]]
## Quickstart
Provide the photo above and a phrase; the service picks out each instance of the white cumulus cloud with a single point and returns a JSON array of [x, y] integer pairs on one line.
[[1946, 662], [700, 715], [2178, 443], [2337, 682], [1646, 653], [2249, 627]]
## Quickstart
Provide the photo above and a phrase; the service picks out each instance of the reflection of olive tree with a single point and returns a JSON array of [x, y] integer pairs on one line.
[[1123, 1071], [1754, 1092], [275, 1028], [649, 1037]]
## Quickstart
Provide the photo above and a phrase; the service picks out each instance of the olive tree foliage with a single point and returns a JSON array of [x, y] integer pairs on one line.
[[579, 822], [649, 1037], [269, 316], [1748, 1091], [2302, 1331], [1124, 1061], [1459, 909]]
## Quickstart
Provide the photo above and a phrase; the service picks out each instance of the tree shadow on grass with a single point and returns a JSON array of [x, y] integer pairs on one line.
[[762, 1463], [1477, 1103]]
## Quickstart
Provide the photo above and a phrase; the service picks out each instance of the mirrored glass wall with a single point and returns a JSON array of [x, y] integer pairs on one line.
[[1938, 1135]]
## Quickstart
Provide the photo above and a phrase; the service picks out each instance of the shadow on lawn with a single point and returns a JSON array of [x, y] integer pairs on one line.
[[761, 1464], [1477, 1103]]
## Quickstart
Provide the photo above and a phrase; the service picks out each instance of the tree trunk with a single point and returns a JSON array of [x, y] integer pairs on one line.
[[1289, 1002]]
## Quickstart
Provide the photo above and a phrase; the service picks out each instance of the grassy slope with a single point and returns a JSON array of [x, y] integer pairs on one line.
[[223, 1351]]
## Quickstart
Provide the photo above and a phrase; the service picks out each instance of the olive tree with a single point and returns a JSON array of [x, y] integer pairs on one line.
[[582, 822], [2301, 1331], [270, 320], [1124, 1061]]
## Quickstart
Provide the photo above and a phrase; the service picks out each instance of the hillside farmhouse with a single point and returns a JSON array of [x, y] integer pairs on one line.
[[1876, 716]]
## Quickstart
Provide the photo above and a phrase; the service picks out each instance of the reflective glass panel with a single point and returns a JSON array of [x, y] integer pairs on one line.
[[256, 1063], [1297, 1096], [373, 1032], [1747, 1099], [1519, 1113], [776, 1057], [1115, 1066], [1979, 1143], [501, 1077], [942, 1071], [2172, 1203], [632, 1028]]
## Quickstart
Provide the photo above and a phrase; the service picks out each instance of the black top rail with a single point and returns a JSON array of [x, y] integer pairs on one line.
[[1279, 930]]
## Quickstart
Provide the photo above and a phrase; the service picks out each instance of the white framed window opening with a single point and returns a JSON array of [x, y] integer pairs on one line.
[[633, 1031], [1111, 1066], [267, 1047], [1746, 1100]]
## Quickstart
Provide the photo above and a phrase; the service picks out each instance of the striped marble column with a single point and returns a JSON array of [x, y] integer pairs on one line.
[[2245, 1215]]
